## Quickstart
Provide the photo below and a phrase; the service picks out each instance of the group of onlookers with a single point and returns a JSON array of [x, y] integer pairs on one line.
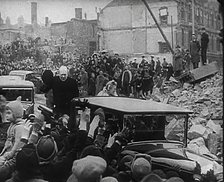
[[76, 152], [34, 152], [92, 73], [191, 57]]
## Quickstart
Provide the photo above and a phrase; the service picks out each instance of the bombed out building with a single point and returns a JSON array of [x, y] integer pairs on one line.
[[77, 35], [127, 27]]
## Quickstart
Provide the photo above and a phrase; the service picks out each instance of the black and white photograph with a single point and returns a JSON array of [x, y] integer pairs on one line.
[[111, 90]]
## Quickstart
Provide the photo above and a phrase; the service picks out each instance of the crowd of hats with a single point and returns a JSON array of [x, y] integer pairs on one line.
[[139, 168], [91, 165]]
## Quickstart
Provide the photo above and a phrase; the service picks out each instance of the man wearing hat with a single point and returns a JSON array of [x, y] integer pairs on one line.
[[152, 63], [27, 165], [143, 61], [88, 169], [116, 61], [204, 45], [140, 166]]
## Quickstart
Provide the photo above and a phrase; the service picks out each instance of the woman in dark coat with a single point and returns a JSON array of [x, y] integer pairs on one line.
[[147, 80], [92, 85], [194, 51], [178, 62], [137, 84]]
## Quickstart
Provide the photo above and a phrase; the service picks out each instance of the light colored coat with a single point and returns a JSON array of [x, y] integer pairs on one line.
[[14, 134]]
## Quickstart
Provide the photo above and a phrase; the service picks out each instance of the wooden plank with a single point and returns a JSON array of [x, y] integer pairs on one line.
[[204, 71]]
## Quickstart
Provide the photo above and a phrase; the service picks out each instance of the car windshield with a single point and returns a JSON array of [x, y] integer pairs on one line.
[[151, 127], [11, 94], [156, 127]]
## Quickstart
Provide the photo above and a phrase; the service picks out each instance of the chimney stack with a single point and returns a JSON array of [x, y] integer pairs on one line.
[[33, 13], [78, 13], [46, 21]]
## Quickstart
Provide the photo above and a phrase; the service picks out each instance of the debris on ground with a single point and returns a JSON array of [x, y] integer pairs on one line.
[[205, 99]]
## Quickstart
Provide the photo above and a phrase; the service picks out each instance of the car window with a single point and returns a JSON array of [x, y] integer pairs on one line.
[[156, 127], [12, 94], [146, 126]]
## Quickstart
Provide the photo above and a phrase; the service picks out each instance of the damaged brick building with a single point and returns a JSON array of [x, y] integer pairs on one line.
[[77, 35]]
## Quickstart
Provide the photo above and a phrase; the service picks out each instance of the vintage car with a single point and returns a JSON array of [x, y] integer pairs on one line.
[[159, 130], [29, 76], [12, 87]]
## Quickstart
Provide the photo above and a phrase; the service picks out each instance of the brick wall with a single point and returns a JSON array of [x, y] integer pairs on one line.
[[78, 34], [81, 32], [58, 30], [7, 36]]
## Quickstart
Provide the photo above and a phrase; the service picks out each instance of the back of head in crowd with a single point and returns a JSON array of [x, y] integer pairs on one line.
[[46, 149], [152, 178], [140, 167], [27, 164], [122, 163], [92, 150], [88, 169], [47, 77], [160, 173], [170, 174]]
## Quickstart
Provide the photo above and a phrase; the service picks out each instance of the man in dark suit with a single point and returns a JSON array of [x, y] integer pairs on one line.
[[64, 90], [194, 51], [204, 46]]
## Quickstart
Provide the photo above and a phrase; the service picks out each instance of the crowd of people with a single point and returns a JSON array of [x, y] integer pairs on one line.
[[35, 153], [103, 75], [20, 55], [191, 57], [92, 73]]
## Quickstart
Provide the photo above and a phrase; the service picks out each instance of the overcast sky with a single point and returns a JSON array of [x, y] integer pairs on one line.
[[56, 10]]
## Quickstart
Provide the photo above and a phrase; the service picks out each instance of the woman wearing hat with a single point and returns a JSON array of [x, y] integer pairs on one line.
[[109, 89]]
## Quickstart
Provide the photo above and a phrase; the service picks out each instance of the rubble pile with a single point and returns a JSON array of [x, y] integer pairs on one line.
[[205, 100]]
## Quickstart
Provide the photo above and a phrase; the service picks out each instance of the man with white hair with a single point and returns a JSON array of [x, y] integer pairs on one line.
[[64, 90], [63, 73]]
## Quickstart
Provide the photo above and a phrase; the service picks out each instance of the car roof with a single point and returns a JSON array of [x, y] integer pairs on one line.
[[10, 77], [14, 81], [133, 105], [21, 72]]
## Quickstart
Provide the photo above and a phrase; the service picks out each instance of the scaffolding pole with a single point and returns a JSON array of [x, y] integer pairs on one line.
[[161, 31], [193, 29]]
